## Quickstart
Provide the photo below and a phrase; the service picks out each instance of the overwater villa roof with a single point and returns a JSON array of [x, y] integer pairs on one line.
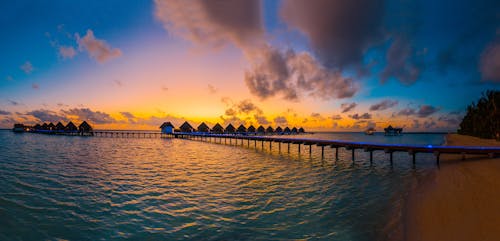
[[186, 127], [218, 128], [203, 127], [269, 129], [45, 126], [278, 129], [230, 128], [261, 129], [165, 124], [286, 130], [301, 130], [294, 129], [251, 128], [37, 126], [242, 129], [51, 126], [59, 126], [85, 127], [71, 127]]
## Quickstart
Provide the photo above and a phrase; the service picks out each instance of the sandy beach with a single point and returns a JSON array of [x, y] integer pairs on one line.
[[458, 201]]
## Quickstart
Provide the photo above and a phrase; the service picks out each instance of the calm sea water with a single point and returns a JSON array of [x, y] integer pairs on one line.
[[90, 188]]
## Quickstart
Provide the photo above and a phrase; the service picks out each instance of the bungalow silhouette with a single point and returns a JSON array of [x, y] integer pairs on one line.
[[241, 129], [278, 130], [167, 128], [203, 128], [269, 130], [217, 129], [71, 128], [287, 130], [301, 130], [186, 127], [44, 126], [230, 129], [51, 127], [251, 129], [261, 130], [294, 130], [37, 127], [59, 127], [85, 129]]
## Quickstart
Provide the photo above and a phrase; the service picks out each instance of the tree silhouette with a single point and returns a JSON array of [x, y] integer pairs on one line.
[[483, 119]]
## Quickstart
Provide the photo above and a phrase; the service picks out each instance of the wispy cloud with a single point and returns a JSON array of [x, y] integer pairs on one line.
[[383, 105], [67, 52], [27, 67], [360, 117], [346, 107], [96, 48], [35, 86]]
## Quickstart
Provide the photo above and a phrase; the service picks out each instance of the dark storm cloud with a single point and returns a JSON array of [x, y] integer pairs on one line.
[[87, 114], [361, 117], [490, 62], [339, 31], [383, 105], [401, 63], [346, 107]]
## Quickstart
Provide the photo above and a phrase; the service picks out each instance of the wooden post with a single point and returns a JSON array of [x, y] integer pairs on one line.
[[270, 145], [310, 149], [279, 147], [437, 154], [336, 153], [322, 152], [288, 147], [371, 156]]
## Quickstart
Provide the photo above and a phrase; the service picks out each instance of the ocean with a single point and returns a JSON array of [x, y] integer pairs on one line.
[[96, 188]]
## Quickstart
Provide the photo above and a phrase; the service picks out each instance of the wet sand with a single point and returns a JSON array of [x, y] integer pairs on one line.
[[458, 201]]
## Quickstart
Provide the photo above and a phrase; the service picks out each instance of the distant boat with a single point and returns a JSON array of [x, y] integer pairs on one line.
[[391, 131], [370, 131]]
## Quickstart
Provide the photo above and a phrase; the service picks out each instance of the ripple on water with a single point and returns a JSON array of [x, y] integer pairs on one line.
[[56, 187]]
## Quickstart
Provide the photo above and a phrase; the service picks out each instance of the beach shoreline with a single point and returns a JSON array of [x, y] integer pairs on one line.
[[458, 201]]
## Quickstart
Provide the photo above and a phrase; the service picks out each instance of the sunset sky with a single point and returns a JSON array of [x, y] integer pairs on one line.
[[323, 65]]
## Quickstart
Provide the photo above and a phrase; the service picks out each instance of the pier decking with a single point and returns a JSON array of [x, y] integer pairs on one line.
[[412, 150]]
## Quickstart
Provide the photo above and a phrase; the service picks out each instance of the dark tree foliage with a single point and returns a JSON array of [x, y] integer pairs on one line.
[[483, 119]]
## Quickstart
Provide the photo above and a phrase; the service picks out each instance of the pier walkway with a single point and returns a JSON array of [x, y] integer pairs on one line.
[[280, 140]]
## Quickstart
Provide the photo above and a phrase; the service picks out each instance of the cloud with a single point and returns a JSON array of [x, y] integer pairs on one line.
[[246, 106], [47, 115], [426, 110], [361, 117], [213, 24], [288, 74], [339, 31], [451, 119], [401, 63], [383, 105], [118, 83], [27, 67], [230, 112], [317, 116], [87, 114], [336, 117], [280, 120], [35, 86], [490, 63], [346, 107], [164, 88], [67, 52], [407, 112], [96, 48], [211, 89], [3, 112], [262, 120], [14, 103]]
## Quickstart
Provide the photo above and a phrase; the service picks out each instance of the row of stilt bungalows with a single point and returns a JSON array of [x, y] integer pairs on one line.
[[84, 129], [168, 127]]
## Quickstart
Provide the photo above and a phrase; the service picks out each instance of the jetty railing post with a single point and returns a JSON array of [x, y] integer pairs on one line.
[[299, 148], [262, 144], [371, 156], [279, 147], [322, 152], [310, 149], [270, 145], [336, 153], [288, 147], [353, 149]]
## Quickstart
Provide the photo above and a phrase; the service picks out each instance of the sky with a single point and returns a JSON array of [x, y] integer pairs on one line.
[[325, 65]]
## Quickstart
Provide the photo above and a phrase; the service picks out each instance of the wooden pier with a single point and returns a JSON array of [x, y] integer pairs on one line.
[[278, 140]]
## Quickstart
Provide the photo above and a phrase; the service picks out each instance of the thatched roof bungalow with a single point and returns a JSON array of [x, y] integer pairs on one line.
[[294, 130], [203, 128], [217, 129], [186, 127], [251, 129], [230, 129], [261, 129], [37, 127], [241, 129], [51, 126], [301, 130], [44, 127], [70, 127], [167, 128], [286, 130], [269, 129], [84, 128], [278, 130], [59, 127]]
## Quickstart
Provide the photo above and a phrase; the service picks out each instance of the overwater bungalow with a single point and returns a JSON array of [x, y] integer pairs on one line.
[[18, 128], [167, 128], [37, 127], [59, 127], [203, 128], [186, 127], [269, 130], [230, 129], [241, 129], [217, 129], [294, 130], [44, 127], [85, 129], [261, 130], [251, 129], [287, 130], [301, 130], [391, 131], [278, 130], [71, 128], [51, 127]]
